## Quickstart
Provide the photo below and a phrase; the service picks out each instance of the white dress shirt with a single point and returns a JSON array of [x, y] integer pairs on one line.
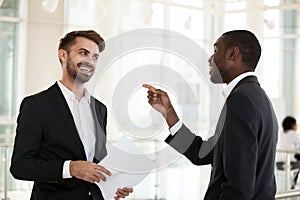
[[84, 121], [288, 141], [226, 92]]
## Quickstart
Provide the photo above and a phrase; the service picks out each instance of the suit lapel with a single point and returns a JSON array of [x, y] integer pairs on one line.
[[222, 117], [62, 107], [100, 144]]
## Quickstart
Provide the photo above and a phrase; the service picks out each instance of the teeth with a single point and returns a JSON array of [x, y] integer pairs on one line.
[[86, 69]]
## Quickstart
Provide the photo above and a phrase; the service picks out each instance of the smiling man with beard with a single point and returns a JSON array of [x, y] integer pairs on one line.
[[242, 150], [61, 132]]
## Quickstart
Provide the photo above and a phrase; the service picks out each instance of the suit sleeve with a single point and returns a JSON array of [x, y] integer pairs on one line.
[[26, 163], [240, 149], [199, 152]]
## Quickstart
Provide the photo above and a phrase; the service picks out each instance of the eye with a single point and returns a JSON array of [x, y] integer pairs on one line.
[[95, 57], [83, 53]]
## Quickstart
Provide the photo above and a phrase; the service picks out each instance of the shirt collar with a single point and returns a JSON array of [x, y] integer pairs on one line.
[[228, 88], [71, 96]]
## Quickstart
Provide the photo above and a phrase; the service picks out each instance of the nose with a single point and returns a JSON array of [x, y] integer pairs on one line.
[[90, 60], [210, 59]]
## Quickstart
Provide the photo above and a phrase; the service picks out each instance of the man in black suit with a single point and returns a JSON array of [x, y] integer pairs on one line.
[[242, 150], [61, 132]]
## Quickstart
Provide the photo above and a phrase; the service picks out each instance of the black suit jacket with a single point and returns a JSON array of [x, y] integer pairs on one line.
[[46, 137], [242, 150]]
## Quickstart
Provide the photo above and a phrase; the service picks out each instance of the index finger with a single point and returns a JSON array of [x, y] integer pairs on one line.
[[103, 169], [150, 87], [126, 189]]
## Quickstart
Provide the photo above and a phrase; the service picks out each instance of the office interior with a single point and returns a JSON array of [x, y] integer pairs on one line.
[[29, 34]]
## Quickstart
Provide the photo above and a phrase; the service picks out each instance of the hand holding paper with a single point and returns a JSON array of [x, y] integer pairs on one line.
[[123, 192], [128, 165], [88, 171]]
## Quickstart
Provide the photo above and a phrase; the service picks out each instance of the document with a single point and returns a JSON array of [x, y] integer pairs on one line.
[[128, 165]]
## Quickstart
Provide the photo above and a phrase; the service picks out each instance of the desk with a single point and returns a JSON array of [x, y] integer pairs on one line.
[[288, 163]]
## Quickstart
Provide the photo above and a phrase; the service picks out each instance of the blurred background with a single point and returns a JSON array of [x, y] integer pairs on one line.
[[29, 35]]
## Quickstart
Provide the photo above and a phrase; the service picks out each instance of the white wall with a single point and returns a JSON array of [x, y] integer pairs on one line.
[[43, 33]]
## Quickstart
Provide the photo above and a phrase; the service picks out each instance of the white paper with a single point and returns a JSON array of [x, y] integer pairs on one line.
[[128, 165]]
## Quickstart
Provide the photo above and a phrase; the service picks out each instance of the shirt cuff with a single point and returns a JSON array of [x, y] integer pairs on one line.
[[66, 169], [175, 128]]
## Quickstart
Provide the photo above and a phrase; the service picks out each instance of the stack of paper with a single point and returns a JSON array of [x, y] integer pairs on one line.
[[128, 165]]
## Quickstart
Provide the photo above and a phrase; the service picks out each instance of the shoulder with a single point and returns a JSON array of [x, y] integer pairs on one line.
[[249, 91], [247, 88], [245, 101], [40, 97]]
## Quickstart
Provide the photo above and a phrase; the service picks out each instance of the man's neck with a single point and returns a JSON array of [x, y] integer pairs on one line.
[[74, 86]]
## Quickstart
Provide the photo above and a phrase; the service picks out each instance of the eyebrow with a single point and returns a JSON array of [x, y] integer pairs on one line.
[[83, 49], [215, 44]]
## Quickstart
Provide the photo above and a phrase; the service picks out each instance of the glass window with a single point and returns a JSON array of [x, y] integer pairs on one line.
[[7, 63], [9, 8], [8, 34], [289, 40]]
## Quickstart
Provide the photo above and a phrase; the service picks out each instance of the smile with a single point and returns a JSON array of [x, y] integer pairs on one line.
[[85, 69]]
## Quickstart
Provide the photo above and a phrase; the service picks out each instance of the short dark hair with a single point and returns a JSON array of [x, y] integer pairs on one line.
[[248, 46], [70, 38], [288, 123]]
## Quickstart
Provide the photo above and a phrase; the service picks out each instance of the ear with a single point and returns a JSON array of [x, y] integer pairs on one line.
[[62, 55], [294, 127], [233, 53]]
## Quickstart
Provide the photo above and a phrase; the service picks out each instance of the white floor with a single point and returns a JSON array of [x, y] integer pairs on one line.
[[16, 195], [25, 189]]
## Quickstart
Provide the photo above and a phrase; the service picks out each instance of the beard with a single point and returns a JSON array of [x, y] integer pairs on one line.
[[74, 71], [215, 75]]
